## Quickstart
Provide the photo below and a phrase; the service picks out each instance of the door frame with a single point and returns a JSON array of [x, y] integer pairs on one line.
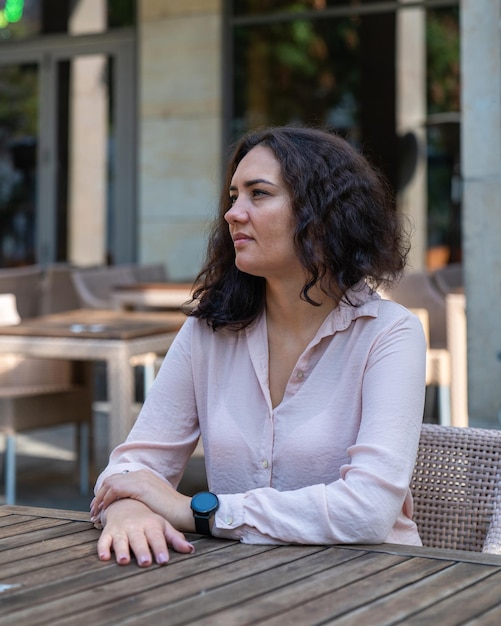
[[47, 51]]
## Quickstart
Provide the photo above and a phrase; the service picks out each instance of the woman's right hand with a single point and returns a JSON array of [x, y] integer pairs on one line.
[[145, 486], [130, 526]]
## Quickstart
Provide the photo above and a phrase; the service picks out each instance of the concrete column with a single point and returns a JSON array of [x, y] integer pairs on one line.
[[88, 178], [481, 172], [180, 130], [410, 58]]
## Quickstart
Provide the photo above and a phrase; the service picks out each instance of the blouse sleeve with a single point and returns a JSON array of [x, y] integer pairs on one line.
[[166, 431], [372, 493]]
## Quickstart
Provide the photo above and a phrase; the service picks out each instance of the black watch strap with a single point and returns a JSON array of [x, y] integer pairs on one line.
[[202, 524]]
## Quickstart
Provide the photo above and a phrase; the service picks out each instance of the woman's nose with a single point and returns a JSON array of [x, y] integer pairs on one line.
[[236, 213]]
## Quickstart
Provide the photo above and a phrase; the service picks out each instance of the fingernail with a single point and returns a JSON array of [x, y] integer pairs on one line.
[[192, 548], [162, 558], [144, 560]]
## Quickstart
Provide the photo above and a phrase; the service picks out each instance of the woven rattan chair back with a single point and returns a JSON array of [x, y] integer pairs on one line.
[[455, 487]]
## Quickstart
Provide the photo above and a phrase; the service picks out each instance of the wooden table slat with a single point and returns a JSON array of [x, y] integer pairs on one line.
[[48, 551], [17, 520], [23, 531], [18, 510], [40, 538], [475, 599], [53, 568], [491, 617], [418, 597]]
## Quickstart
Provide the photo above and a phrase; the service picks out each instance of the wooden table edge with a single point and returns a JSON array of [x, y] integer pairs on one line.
[[445, 554], [33, 511]]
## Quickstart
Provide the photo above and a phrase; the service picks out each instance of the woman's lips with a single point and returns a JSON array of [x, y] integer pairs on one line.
[[240, 239]]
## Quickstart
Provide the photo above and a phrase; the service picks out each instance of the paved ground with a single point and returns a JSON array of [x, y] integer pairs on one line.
[[47, 472]]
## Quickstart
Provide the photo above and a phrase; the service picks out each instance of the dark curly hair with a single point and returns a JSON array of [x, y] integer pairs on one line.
[[347, 227]]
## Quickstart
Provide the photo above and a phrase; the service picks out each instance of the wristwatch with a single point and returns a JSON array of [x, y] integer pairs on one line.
[[204, 504]]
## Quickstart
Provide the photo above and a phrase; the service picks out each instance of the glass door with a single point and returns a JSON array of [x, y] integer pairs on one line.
[[67, 151], [19, 130]]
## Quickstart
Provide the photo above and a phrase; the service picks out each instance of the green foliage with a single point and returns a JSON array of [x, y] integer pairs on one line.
[[19, 100], [443, 62]]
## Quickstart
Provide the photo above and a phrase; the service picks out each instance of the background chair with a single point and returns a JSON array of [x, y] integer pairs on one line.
[[455, 487], [150, 272], [417, 291], [94, 286], [438, 371], [39, 393], [449, 279], [25, 284], [58, 291]]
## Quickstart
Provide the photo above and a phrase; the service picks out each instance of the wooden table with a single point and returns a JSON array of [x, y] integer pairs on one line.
[[50, 574], [151, 295], [92, 335]]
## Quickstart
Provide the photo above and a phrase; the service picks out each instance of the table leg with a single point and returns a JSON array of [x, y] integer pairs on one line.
[[120, 378]]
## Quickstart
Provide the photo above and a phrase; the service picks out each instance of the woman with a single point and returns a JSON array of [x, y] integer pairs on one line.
[[306, 387]]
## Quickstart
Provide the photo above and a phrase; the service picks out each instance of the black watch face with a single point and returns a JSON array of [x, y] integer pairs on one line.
[[204, 502]]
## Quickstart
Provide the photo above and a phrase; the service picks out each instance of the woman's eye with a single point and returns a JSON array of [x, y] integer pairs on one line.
[[256, 193], [233, 199]]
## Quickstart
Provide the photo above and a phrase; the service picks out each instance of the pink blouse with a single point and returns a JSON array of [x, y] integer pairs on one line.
[[330, 464]]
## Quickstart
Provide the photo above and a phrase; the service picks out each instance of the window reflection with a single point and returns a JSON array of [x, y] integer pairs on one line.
[[18, 163], [331, 67], [253, 7], [302, 71], [43, 17]]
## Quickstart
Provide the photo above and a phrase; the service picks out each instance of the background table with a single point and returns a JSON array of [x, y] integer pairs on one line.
[[92, 335], [152, 296], [50, 574]]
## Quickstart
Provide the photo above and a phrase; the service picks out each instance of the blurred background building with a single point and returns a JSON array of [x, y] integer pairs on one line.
[[116, 117]]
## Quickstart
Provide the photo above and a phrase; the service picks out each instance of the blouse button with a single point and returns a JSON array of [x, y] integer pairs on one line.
[[229, 520], [300, 375], [265, 464]]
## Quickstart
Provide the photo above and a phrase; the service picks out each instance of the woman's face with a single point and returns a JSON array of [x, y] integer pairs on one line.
[[260, 218]]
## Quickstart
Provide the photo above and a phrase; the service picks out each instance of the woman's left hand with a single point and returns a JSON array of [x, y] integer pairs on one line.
[[146, 487]]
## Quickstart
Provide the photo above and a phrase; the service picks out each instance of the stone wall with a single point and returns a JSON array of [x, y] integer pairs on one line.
[[179, 130]]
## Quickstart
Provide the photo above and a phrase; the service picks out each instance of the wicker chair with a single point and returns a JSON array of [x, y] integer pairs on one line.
[[456, 488]]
